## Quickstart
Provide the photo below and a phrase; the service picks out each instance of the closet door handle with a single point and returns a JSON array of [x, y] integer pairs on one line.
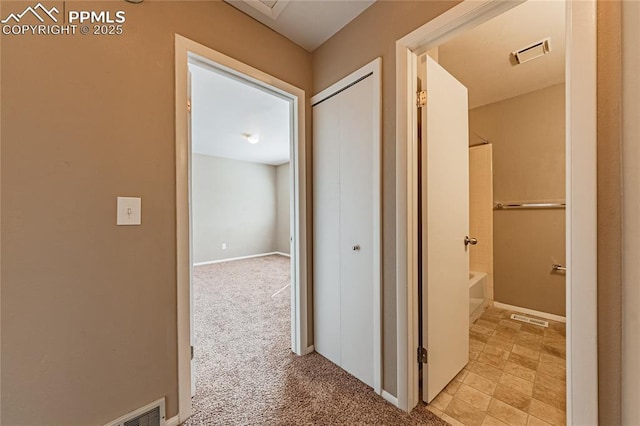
[[356, 248]]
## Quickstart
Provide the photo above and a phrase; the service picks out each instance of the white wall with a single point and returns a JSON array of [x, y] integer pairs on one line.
[[234, 202], [631, 213], [283, 228]]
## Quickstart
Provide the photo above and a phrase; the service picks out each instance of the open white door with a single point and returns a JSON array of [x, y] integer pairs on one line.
[[445, 218], [191, 306]]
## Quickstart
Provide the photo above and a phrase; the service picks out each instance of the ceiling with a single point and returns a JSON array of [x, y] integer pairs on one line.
[[224, 108], [480, 58], [308, 23]]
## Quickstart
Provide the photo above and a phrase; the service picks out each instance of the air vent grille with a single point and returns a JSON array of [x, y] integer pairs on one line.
[[150, 418], [529, 320], [532, 52], [150, 415]]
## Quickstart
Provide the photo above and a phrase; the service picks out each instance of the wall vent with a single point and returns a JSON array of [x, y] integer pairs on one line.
[[528, 320], [150, 415]]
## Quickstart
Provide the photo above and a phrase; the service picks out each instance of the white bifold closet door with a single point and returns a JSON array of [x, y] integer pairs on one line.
[[344, 249]]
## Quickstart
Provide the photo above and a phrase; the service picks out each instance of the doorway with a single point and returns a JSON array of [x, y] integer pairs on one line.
[[241, 235], [580, 193], [189, 52]]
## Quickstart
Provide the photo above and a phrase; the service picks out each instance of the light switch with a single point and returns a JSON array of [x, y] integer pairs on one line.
[[129, 211]]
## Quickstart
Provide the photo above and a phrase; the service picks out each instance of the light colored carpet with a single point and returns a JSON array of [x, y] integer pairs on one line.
[[245, 371]]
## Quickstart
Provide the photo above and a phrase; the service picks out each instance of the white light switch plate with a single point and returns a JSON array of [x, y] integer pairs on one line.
[[129, 211]]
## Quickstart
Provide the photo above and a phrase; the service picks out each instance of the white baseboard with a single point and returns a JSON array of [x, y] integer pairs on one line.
[[530, 312], [389, 398], [231, 259], [173, 421], [282, 254], [311, 349]]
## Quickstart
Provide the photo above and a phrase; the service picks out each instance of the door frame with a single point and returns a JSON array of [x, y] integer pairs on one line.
[[581, 193], [374, 69], [184, 50]]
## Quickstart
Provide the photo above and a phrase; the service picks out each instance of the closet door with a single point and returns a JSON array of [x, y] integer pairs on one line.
[[346, 209], [356, 229], [326, 229]]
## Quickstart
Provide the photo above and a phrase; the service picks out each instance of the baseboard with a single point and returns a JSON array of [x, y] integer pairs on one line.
[[311, 349], [544, 315], [389, 398], [231, 259], [282, 254], [173, 421]]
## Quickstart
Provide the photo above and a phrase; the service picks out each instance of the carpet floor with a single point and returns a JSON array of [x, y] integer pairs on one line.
[[245, 371]]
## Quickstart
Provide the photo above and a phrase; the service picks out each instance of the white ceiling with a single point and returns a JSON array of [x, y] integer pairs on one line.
[[308, 23], [480, 58], [224, 108]]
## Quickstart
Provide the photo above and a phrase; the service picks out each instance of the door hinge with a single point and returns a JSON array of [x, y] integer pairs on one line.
[[188, 105], [191, 352], [421, 98], [422, 355]]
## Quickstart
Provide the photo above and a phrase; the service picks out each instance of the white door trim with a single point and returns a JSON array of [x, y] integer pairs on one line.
[[582, 383], [374, 68], [184, 50]]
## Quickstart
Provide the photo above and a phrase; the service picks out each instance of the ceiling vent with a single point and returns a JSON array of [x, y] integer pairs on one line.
[[531, 52], [270, 8]]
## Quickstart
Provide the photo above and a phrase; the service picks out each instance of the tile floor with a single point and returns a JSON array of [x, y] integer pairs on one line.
[[516, 375]]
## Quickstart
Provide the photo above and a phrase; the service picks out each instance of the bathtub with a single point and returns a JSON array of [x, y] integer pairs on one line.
[[477, 294]]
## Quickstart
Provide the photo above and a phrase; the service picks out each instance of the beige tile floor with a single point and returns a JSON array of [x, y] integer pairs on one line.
[[516, 375]]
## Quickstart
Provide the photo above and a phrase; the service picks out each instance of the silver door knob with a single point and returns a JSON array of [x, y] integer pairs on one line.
[[471, 241], [355, 248]]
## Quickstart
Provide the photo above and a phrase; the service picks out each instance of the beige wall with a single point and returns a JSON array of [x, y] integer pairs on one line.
[[370, 35], [610, 214], [235, 203], [283, 213], [88, 308], [481, 211], [528, 137], [624, 371]]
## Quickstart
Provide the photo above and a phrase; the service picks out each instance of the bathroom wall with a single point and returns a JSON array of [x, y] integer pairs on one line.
[[481, 212], [528, 137]]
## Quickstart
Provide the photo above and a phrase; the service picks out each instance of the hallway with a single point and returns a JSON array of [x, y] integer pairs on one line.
[[246, 373]]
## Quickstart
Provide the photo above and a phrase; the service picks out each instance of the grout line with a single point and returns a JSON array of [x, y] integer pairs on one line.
[[276, 293]]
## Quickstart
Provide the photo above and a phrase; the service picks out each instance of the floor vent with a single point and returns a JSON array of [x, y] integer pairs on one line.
[[149, 415], [528, 320]]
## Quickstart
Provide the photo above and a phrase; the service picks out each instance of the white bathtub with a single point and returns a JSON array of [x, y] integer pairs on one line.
[[477, 294]]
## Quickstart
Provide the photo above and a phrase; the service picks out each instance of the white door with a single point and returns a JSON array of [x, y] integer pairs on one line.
[[356, 229], [191, 305], [445, 207], [344, 180], [326, 230]]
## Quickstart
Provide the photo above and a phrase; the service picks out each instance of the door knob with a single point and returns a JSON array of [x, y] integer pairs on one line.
[[471, 241], [356, 248]]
